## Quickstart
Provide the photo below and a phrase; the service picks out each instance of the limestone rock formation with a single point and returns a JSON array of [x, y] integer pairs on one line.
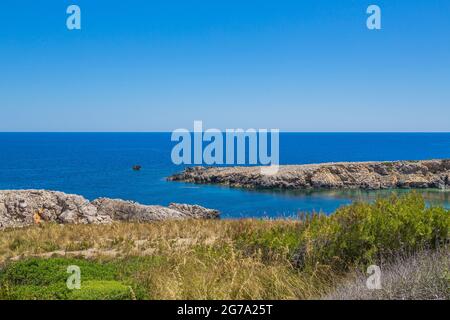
[[132, 211], [19, 208], [363, 175], [195, 211]]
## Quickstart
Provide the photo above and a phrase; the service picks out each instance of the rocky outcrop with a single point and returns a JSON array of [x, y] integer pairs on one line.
[[131, 211], [194, 211], [20, 208], [363, 175]]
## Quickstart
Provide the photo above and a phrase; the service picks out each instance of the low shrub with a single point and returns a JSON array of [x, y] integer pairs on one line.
[[278, 241], [418, 276], [102, 290], [362, 232], [42, 272], [45, 279]]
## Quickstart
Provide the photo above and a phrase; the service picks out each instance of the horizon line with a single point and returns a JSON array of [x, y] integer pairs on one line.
[[380, 132]]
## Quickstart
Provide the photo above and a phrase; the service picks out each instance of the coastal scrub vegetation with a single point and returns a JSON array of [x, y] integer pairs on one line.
[[362, 233], [313, 257]]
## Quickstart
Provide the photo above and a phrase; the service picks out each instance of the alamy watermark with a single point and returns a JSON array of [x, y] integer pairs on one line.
[[374, 20], [74, 280], [373, 282], [73, 21], [232, 147]]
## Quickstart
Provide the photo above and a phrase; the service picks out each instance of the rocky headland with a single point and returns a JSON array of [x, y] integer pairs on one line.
[[19, 208], [339, 175]]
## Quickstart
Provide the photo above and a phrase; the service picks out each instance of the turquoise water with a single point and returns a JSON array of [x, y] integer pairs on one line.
[[99, 165]]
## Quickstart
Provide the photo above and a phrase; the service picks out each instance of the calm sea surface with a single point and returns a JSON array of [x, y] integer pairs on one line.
[[99, 165]]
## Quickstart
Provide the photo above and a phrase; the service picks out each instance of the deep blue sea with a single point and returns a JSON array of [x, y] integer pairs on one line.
[[99, 165]]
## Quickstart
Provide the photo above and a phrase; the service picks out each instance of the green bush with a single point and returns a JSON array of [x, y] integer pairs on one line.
[[90, 290], [101, 290], [42, 272], [56, 291], [275, 240], [45, 279], [361, 233]]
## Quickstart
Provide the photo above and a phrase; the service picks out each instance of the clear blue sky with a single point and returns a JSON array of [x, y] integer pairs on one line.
[[303, 65]]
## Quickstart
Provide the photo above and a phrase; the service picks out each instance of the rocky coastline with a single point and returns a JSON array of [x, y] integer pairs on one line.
[[20, 208], [339, 175]]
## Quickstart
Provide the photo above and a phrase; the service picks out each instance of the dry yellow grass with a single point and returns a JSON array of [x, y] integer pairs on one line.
[[196, 259], [127, 238]]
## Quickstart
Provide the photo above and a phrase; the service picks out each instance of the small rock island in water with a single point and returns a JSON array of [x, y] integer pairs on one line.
[[339, 175]]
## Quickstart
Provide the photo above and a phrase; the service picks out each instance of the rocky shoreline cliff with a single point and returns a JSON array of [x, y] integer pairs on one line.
[[20, 208], [339, 175]]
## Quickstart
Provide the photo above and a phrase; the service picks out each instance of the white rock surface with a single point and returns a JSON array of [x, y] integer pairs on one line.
[[19, 208], [343, 175]]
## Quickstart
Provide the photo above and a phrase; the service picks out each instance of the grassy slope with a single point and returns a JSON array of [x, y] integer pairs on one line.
[[229, 259]]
